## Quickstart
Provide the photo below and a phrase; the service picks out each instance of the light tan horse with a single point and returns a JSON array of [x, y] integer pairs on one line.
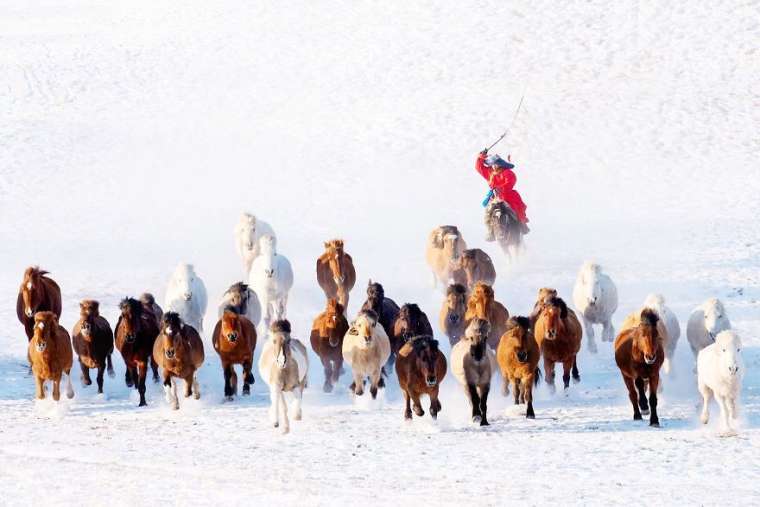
[[482, 305], [366, 348], [518, 355], [473, 266], [51, 355], [178, 349], [284, 365], [445, 245], [335, 272], [473, 364]]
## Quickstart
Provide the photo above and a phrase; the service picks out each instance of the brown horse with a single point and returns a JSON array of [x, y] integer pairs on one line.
[[93, 342], [544, 295], [639, 353], [179, 351], [149, 303], [482, 305], [234, 339], [558, 333], [420, 368], [474, 265], [518, 356], [136, 331], [37, 293], [451, 317], [327, 334], [335, 272], [50, 354], [410, 322]]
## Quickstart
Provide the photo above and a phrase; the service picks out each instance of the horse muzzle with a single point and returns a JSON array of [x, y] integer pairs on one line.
[[431, 381], [232, 337], [650, 360], [40, 346], [522, 357], [733, 370], [28, 312], [453, 318], [187, 296], [269, 273], [334, 342], [130, 338], [169, 353]]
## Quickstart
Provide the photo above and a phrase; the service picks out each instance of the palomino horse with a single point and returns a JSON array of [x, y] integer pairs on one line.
[[451, 317], [50, 354], [410, 322], [179, 351], [93, 342], [473, 266], [366, 348], [385, 308], [421, 367], [136, 331], [506, 228], [518, 356], [639, 354], [234, 339], [558, 333], [37, 293], [445, 245], [327, 333], [243, 301], [335, 272], [284, 366], [472, 364], [482, 305], [271, 278]]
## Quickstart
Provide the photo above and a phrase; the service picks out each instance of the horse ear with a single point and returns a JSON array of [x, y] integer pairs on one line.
[[327, 244]]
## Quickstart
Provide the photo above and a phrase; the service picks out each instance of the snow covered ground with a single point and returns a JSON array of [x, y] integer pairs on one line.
[[132, 135]]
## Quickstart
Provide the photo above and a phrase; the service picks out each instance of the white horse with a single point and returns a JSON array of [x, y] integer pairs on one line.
[[186, 295], [284, 365], [243, 300], [248, 231], [720, 370], [271, 278], [596, 299], [705, 322], [656, 302]]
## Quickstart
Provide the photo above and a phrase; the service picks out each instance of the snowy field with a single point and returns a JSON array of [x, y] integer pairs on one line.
[[133, 134]]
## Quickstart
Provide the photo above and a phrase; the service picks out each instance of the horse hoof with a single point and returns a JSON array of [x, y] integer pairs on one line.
[[484, 422], [142, 404], [576, 380], [228, 398], [644, 411], [197, 396], [408, 415], [530, 416], [276, 425], [111, 373], [654, 424], [327, 387], [637, 417], [419, 412], [434, 416], [246, 392]]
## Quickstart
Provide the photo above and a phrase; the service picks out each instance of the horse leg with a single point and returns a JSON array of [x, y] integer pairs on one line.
[[505, 386], [516, 390], [327, 364], [407, 405], [227, 369], [484, 403], [654, 382], [86, 381], [358, 385], [706, 394], [435, 403], [282, 405], [641, 388], [57, 389], [337, 369], [567, 366], [247, 378], [128, 379], [471, 391], [189, 384], [142, 373], [297, 399], [99, 378], [549, 374], [576, 374], [154, 367], [633, 397], [39, 385], [110, 366], [274, 408], [591, 342], [374, 381], [528, 395], [416, 404], [435, 280], [69, 387], [608, 332]]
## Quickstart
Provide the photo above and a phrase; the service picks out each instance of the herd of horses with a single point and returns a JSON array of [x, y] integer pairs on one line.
[[382, 337]]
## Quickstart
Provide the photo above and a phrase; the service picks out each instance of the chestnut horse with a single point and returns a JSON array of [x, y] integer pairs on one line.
[[482, 305], [451, 318], [517, 356], [639, 353], [327, 334], [558, 333], [37, 293], [179, 351], [544, 295], [335, 272], [50, 354], [410, 322], [421, 367], [93, 342], [136, 331], [234, 339]]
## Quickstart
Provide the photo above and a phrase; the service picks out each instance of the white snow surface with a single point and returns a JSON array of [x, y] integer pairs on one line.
[[133, 134]]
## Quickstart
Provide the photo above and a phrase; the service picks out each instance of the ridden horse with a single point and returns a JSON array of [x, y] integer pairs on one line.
[[506, 227], [327, 334], [271, 278], [518, 355], [451, 317], [179, 351], [366, 348], [558, 333], [284, 366], [37, 293], [482, 305], [136, 331], [335, 272], [93, 342], [385, 308], [243, 301], [50, 354], [639, 353], [410, 322], [473, 266], [472, 364], [234, 339], [445, 245], [186, 295], [421, 367]]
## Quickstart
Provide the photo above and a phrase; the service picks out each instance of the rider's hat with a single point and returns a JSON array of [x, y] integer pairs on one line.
[[497, 161]]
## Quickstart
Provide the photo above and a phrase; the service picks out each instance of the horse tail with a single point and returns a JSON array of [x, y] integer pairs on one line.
[[537, 376]]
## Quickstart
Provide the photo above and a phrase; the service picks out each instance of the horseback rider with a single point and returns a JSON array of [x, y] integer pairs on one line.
[[501, 181]]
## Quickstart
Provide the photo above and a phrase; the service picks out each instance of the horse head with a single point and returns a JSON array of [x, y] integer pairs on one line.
[[468, 263], [716, 319], [476, 335], [408, 321], [647, 338], [184, 281], [335, 257], [728, 347], [45, 324], [481, 301], [88, 311], [280, 337], [32, 290], [268, 252], [456, 303], [364, 327], [331, 322], [131, 317], [426, 352], [246, 231], [232, 328], [519, 332], [591, 283], [238, 297], [375, 296], [554, 314], [173, 342]]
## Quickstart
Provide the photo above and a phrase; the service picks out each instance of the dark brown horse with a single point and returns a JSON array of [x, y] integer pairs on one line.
[[136, 331], [451, 318], [518, 355], [558, 333], [385, 308], [37, 293], [234, 339], [410, 322], [335, 272], [149, 303], [639, 354], [93, 342], [420, 368], [327, 334]]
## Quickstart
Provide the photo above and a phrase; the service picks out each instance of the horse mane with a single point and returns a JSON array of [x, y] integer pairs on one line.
[[654, 300], [592, 267], [34, 271], [93, 304], [232, 309], [714, 302], [240, 287], [147, 298], [281, 326], [479, 325], [134, 306], [334, 307], [518, 321], [370, 315], [649, 317], [456, 289], [171, 319], [421, 342], [410, 310], [558, 302]]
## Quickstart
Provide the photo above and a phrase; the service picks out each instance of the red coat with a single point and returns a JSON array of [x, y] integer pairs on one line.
[[504, 184]]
